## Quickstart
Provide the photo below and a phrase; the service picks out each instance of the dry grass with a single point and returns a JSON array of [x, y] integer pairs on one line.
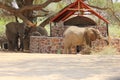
[[108, 50]]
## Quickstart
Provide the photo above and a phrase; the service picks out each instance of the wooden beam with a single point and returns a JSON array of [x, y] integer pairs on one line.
[[86, 6], [68, 15]]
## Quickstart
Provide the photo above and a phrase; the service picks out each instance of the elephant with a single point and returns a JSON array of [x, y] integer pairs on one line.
[[15, 32], [73, 36], [77, 36], [36, 33], [33, 31], [42, 31]]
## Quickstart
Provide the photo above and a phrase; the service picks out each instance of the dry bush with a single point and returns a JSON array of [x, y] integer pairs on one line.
[[108, 50]]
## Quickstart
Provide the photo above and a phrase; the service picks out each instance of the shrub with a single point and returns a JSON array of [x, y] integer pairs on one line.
[[108, 50]]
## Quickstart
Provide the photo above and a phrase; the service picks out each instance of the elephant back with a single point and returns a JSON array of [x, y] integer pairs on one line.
[[21, 28], [15, 27], [11, 27], [42, 31], [74, 35]]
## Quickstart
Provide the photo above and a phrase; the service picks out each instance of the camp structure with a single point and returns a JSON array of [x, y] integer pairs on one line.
[[77, 14]]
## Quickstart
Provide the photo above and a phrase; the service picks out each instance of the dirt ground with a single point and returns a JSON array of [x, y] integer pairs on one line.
[[34, 66]]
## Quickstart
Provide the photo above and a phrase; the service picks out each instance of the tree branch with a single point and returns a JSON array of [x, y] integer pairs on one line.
[[38, 7], [8, 8], [19, 12], [45, 22], [28, 22], [40, 15], [98, 7], [112, 10]]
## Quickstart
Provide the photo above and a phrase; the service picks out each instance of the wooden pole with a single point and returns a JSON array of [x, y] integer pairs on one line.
[[50, 29], [108, 34]]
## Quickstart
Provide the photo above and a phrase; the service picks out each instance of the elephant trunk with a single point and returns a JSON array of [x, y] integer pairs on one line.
[[106, 40]]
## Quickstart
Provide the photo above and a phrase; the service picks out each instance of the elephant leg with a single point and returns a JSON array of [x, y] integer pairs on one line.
[[26, 44], [18, 43], [65, 50], [69, 50], [21, 45], [90, 44], [15, 43], [10, 45]]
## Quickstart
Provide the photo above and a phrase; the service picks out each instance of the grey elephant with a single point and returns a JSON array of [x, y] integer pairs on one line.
[[74, 36], [14, 32], [33, 31]]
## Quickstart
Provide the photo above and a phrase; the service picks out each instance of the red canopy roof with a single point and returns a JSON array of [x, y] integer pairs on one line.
[[78, 6]]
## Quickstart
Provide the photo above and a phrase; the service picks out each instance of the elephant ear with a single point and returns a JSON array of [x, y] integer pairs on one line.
[[86, 36], [96, 33]]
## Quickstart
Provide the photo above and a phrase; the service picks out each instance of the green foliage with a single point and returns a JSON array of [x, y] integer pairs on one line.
[[99, 3], [60, 6], [56, 7], [8, 2], [38, 1], [2, 27], [114, 30], [3, 22], [116, 6]]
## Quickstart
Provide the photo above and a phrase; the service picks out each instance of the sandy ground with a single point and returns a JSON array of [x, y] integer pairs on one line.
[[33, 66]]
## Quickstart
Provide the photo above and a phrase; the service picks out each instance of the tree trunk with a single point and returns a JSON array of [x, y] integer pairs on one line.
[[28, 14], [25, 12]]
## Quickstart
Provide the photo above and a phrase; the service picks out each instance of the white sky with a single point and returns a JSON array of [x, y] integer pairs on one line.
[[118, 0], [14, 4]]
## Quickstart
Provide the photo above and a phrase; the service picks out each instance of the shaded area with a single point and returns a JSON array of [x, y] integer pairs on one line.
[[80, 21]]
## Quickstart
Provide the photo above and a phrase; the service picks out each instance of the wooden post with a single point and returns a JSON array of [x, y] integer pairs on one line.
[[108, 34], [50, 29], [107, 29]]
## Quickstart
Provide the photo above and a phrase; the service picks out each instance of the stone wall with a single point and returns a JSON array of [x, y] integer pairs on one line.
[[54, 44], [116, 43], [39, 44], [57, 31]]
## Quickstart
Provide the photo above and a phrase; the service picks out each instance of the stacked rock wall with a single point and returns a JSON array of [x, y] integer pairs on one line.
[[57, 31], [99, 45], [116, 43], [54, 44], [39, 44]]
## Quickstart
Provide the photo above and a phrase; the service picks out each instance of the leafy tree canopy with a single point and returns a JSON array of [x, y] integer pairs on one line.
[[27, 10]]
